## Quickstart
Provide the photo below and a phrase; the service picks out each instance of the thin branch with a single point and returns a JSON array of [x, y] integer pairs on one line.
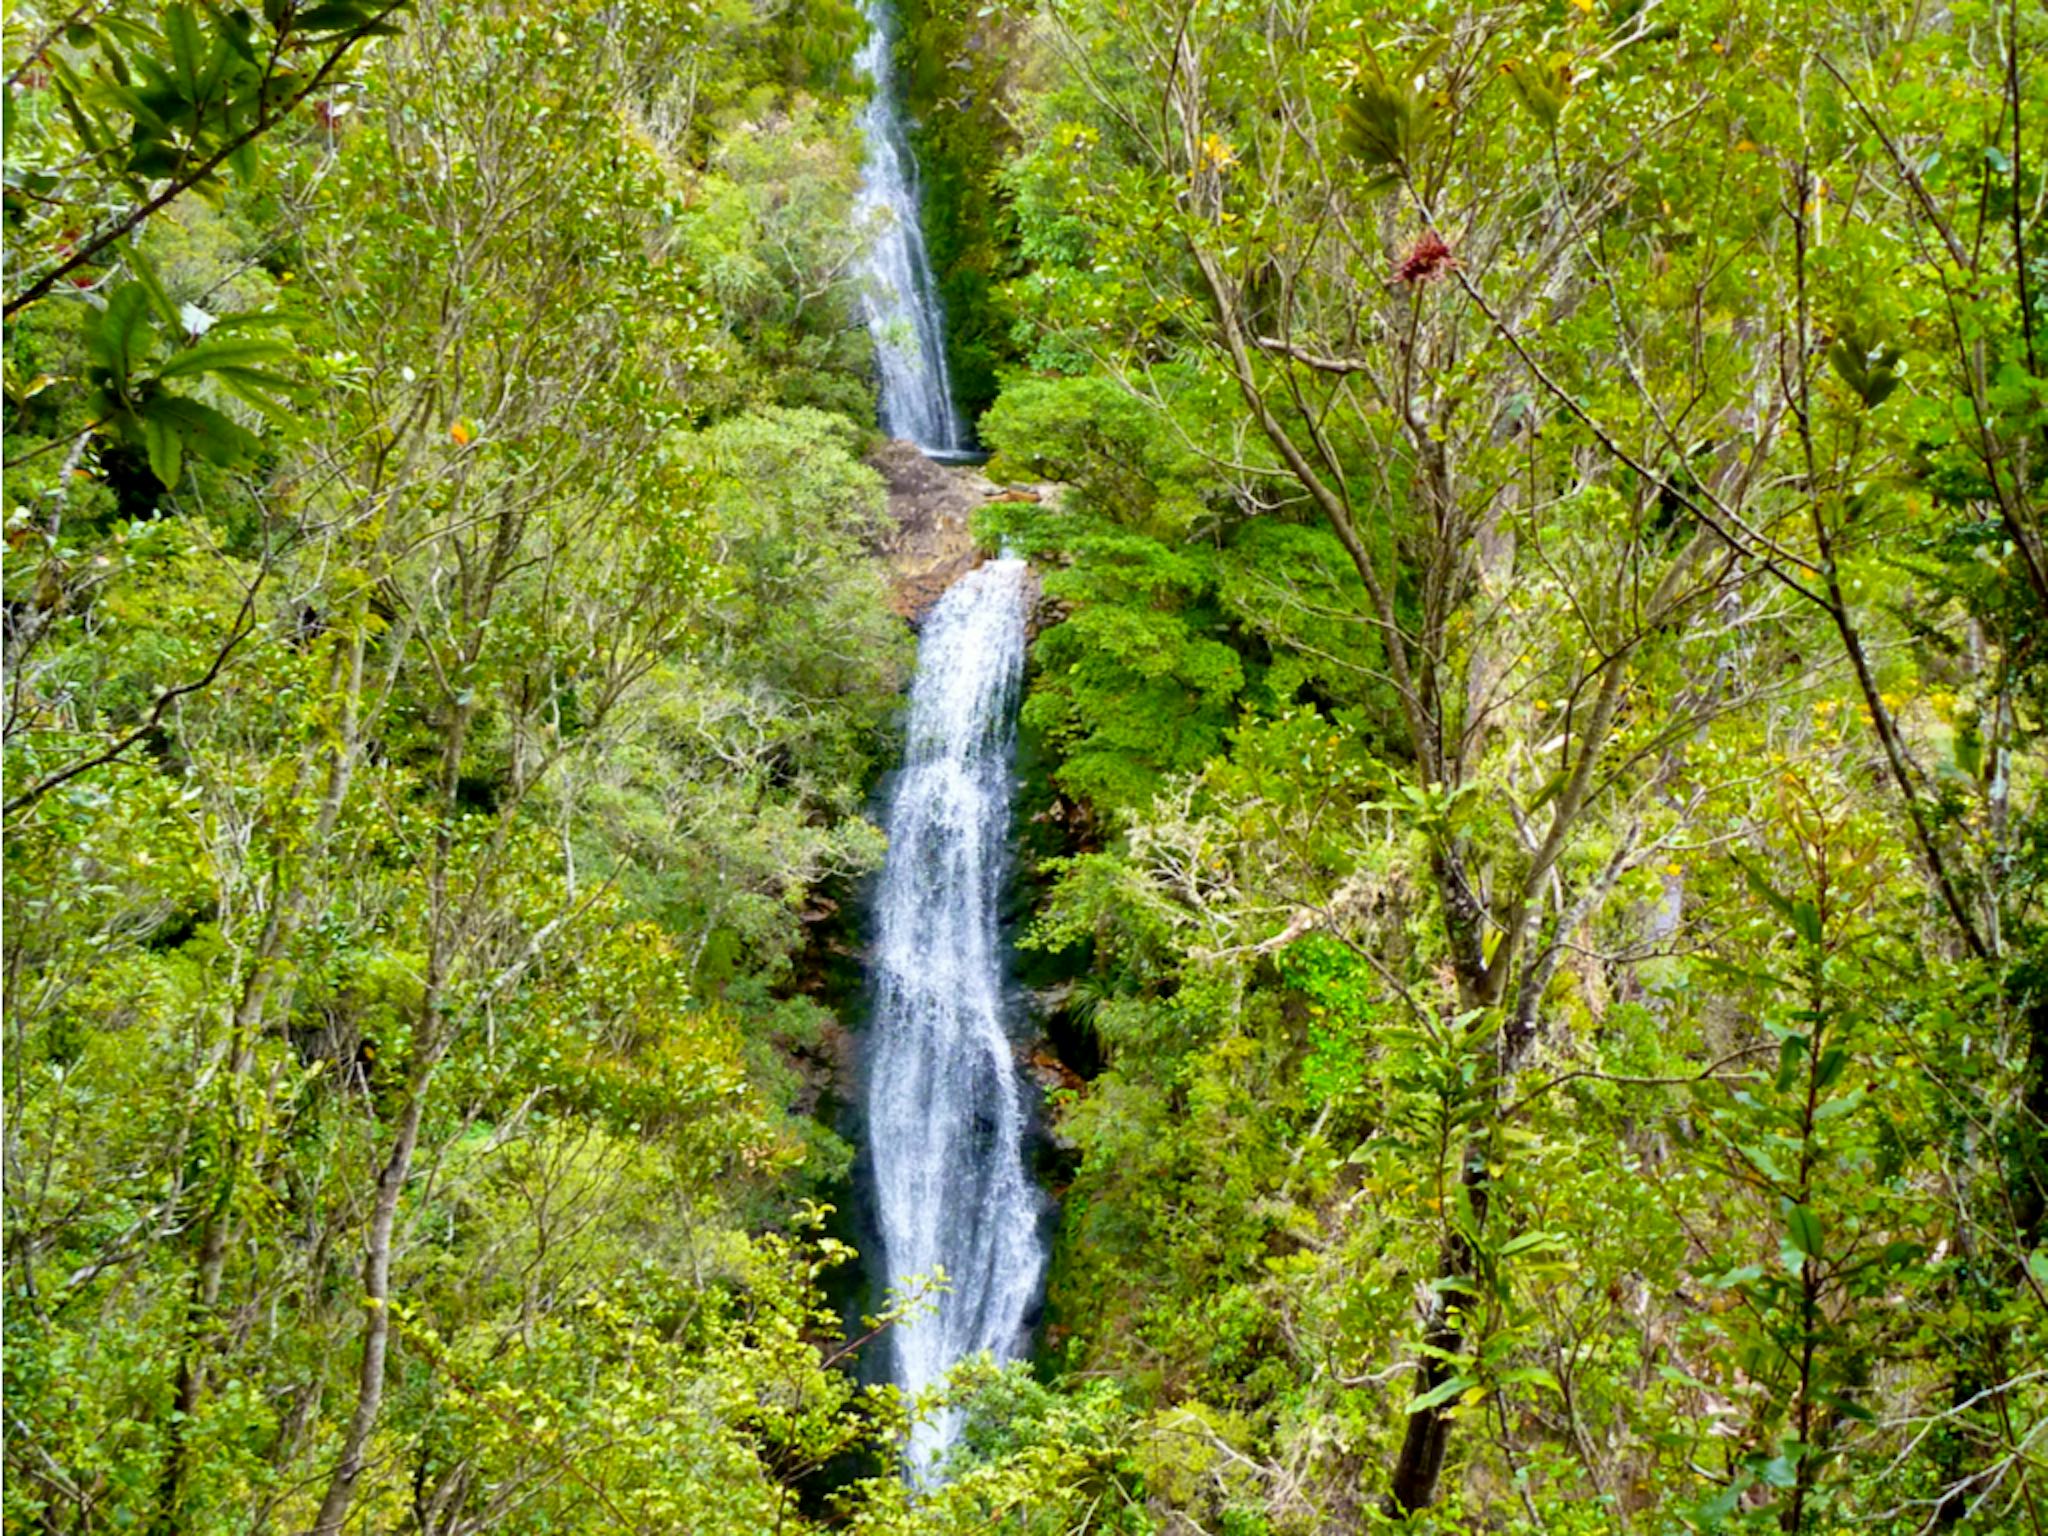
[[88, 250], [245, 626]]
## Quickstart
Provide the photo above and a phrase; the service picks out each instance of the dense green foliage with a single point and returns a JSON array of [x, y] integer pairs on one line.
[[446, 668], [1549, 685], [959, 61], [1540, 694]]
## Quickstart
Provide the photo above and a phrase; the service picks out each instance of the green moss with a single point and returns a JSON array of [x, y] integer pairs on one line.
[[958, 63]]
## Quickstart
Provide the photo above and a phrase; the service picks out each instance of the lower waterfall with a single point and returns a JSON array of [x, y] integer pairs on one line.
[[945, 1105]]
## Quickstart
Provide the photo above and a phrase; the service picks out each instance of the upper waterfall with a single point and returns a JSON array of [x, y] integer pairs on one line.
[[901, 298], [945, 1102]]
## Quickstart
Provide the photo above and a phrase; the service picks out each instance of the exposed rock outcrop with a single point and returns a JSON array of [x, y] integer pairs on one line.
[[929, 544]]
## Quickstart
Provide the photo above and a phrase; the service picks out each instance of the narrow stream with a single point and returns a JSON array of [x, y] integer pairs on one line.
[[902, 299], [945, 1106]]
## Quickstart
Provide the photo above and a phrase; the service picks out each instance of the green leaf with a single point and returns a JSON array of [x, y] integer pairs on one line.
[[1802, 1227], [117, 62], [1765, 1163], [1728, 1280], [1832, 1061], [1849, 1408], [1386, 126], [166, 448], [155, 157], [341, 16], [238, 35], [206, 432], [89, 133], [118, 334], [1806, 920], [1834, 1109], [1713, 1511], [146, 108], [1791, 1052], [265, 392], [1443, 1392], [181, 31], [215, 355], [159, 300], [1673, 1374], [1544, 86], [243, 320], [1866, 365], [1764, 888]]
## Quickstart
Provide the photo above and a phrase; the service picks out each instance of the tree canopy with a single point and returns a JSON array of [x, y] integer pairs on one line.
[[1533, 873]]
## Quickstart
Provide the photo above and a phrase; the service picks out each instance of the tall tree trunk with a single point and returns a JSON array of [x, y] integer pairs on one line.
[[431, 1034], [1420, 1462], [391, 1181], [245, 1027]]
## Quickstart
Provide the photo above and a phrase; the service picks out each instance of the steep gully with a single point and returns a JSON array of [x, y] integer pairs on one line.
[[945, 1109]]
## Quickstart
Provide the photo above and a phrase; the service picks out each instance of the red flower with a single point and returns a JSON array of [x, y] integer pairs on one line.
[[1428, 257]]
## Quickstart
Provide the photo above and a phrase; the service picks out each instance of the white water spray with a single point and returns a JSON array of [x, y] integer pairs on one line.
[[945, 1103], [902, 300]]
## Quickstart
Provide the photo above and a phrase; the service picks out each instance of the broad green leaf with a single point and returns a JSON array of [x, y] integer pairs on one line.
[[217, 354], [1443, 1392], [1806, 921], [205, 431], [160, 301], [117, 335], [1791, 1056], [1832, 1061], [1765, 1163], [1777, 903], [181, 31], [1835, 1109], [166, 445], [1802, 1227]]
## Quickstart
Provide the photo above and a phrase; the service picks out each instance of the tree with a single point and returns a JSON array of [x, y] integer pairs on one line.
[[1523, 311]]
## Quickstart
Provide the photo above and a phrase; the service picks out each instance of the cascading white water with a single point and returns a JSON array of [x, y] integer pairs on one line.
[[945, 1102], [902, 300]]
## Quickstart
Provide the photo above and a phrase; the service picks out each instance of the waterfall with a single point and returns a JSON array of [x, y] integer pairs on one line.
[[945, 1104], [901, 299]]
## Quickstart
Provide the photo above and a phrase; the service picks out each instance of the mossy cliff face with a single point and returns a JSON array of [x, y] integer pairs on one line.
[[960, 67]]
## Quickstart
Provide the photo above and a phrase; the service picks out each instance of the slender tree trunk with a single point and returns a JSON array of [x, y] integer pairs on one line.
[[1420, 1462], [252, 1008], [431, 1034], [391, 1181]]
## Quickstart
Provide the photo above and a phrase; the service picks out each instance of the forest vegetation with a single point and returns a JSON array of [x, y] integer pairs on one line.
[[1534, 860]]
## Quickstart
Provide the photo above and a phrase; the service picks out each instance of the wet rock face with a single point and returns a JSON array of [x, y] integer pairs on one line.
[[929, 543]]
